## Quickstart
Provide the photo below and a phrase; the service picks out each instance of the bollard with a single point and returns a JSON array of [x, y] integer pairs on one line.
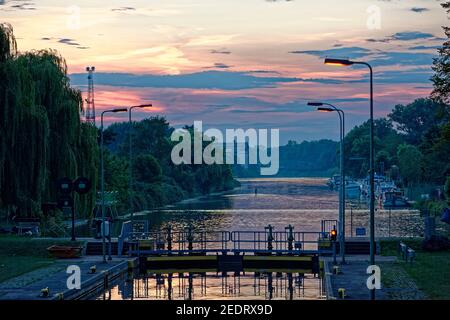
[[402, 249], [45, 292], [336, 270], [411, 256], [341, 293]]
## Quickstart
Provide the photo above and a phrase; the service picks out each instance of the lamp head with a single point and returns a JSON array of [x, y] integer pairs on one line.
[[315, 104], [338, 62], [119, 110], [325, 109], [147, 105]]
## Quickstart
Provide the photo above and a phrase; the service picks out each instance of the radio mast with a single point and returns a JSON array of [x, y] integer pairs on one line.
[[90, 101]]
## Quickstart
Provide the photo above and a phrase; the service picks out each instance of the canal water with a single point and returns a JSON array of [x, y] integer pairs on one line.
[[301, 202], [215, 286]]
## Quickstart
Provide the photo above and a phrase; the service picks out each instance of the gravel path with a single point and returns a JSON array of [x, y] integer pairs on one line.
[[31, 277]]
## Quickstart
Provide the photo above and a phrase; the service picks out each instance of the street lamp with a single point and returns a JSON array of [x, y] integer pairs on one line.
[[344, 62], [102, 170], [330, 108], [130, 125]]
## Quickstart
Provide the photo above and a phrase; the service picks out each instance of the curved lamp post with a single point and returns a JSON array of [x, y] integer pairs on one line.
[[331, 108], [130, 128], [346, 63], [102, 169]]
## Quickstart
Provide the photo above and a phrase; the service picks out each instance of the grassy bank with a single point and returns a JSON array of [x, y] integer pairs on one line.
[[430, 271], [19, 255]]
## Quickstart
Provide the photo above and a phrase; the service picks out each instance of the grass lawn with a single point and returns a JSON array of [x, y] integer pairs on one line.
[[19, 255], [430, 271], [11, 267]]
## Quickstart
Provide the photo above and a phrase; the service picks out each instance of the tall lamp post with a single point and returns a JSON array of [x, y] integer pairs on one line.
[[331, 108], [346, 63], [130, 128], [102, 170]]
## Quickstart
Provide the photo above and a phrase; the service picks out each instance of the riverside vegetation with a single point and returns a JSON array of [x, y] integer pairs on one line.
[[43, 139]]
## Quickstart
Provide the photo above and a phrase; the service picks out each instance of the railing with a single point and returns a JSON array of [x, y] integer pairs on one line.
[[277, 242], [328, 225], [257, 242], [181, 242]]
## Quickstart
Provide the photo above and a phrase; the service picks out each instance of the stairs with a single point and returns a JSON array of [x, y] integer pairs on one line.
[[356, 247], [96, 249]]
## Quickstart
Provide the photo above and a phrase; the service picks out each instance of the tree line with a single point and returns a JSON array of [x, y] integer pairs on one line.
[[413, 141], [41, 136], [156, 180], [42, 139]]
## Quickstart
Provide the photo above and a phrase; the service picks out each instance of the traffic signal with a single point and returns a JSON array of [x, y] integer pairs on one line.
[[82, 185], [65, 185], [333, 234]]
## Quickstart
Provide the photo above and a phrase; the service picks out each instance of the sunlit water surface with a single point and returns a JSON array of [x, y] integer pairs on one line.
[[301, 202]]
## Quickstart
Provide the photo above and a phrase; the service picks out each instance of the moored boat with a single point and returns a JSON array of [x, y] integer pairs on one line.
[[395, 200], [352, 189], [65, 252]]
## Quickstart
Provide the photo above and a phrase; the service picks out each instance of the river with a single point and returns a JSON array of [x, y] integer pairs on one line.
[[300, 202]]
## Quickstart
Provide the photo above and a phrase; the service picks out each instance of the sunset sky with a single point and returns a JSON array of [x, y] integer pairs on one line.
[[240, 63]]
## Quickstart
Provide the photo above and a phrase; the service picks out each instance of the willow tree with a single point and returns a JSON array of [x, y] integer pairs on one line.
[[41, 135], [441, 67]]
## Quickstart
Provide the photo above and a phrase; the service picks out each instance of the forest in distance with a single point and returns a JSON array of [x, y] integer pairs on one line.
[[418, 130]]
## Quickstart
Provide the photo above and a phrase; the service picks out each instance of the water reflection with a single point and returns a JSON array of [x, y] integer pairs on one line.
[[211, 285], [301, 202]]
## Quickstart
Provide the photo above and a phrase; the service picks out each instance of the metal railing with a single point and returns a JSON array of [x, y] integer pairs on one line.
[[257, 242], [275, 242], [180, 242]]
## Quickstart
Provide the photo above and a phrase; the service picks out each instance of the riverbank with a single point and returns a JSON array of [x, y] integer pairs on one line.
[[428, 277], [54, 278], [430, 270], [352, 278]]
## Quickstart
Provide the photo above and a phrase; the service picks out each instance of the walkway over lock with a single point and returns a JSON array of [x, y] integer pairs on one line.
[[289, 250], [191, 242]]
